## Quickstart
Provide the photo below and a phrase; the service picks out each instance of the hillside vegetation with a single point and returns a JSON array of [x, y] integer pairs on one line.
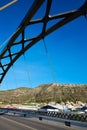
[[45, 93]]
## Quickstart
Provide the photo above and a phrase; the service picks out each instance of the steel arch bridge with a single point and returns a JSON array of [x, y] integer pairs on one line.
[[19, 37]]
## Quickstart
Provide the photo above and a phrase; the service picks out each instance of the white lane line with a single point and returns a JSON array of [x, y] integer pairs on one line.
[[21, 124]]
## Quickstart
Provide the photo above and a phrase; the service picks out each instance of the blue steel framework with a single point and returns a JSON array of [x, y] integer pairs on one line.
[[9, 56]]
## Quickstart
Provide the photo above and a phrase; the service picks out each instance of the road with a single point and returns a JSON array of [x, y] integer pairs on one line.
[[20, 123]]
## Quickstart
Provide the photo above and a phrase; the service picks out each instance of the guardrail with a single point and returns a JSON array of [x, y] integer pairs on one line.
[[62, 115], [70, 116]]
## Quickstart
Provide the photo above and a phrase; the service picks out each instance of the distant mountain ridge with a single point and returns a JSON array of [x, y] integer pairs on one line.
[[46, 93]]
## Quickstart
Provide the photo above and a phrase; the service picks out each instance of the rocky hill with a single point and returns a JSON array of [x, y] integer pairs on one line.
[[45, 93]]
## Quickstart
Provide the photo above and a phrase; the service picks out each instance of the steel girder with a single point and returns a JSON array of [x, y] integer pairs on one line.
[[10, 56]]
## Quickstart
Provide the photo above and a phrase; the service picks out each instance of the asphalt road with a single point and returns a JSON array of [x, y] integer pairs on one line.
[[20, 123]]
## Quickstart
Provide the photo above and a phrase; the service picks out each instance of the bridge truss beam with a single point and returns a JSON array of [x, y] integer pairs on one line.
[[8, 56]]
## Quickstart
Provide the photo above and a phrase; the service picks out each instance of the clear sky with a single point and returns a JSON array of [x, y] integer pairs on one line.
[[67, 47]]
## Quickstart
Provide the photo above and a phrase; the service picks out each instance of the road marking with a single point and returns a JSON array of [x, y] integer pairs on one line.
[[21, 124], [7, 5]]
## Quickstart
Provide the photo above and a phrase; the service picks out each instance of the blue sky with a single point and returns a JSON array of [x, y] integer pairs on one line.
[[67, 48]]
